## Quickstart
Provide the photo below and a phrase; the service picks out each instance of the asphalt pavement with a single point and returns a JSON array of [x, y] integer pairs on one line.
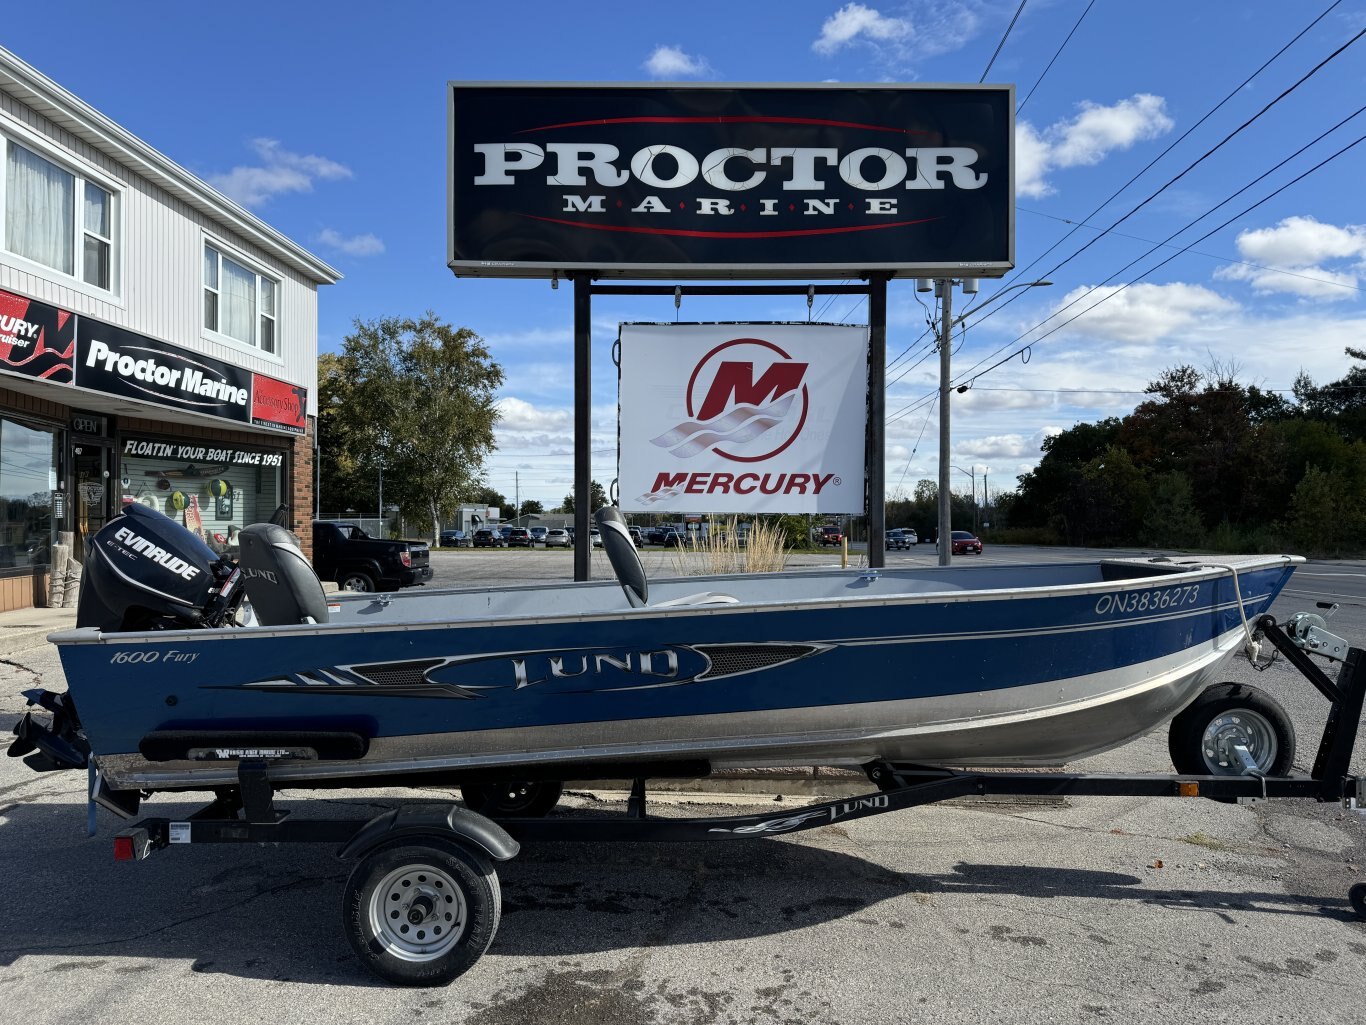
[[1104, 909]]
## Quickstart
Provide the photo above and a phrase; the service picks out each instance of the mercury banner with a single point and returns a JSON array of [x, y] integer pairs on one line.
[[742, 418], [730, 181]]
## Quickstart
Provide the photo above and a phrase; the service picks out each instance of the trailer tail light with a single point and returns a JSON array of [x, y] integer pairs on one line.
[[1190, 789], [123, 849], [405, 557]]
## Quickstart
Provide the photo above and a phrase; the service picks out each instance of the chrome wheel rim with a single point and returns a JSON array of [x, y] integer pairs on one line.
[[356, 584], [1232, 728], [418, 913]]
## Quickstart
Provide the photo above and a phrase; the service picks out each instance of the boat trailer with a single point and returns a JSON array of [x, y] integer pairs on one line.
[[423, 902]]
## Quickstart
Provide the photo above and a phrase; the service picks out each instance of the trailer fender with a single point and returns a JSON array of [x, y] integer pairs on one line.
[[448, 822]]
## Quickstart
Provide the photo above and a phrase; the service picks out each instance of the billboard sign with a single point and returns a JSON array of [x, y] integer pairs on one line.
[[730, 181], [36, 340], [742, 418]]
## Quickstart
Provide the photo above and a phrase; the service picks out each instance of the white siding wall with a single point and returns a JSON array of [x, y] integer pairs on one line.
[[160, 291]]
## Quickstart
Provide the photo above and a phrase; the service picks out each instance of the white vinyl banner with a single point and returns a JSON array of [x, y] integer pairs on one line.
[[742, 418]]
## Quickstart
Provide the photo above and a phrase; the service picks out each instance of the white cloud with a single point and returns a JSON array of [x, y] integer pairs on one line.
[[1086, 139], [280, 171], [519, 415], [853, 21], [1140, 313], [673, 62], [1292, 257], [927, 28], [351, 245]]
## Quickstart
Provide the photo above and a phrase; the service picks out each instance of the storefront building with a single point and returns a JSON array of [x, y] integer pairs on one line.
[[158, 343]]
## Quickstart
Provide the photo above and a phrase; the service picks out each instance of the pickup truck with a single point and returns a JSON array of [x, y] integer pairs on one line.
[[358, 562], [827, 535]]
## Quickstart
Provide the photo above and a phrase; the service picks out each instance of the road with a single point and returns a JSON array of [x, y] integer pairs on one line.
[[1101, 909]]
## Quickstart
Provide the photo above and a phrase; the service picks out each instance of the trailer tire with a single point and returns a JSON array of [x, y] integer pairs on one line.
[[512, 799], [1226, 713], [1357, 895], [421, 913]]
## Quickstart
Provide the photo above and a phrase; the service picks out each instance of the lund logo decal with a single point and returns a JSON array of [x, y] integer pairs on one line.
[[567, 671], [858, 806]]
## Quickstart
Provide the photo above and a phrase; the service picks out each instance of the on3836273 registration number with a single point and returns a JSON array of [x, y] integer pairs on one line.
[[1147, 601]]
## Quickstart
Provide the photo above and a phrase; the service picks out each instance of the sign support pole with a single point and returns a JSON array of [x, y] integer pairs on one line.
[[583, 424], [945, 498], [876, 445]]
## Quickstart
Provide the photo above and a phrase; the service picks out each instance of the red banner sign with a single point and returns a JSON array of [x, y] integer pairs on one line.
[[279, 404]]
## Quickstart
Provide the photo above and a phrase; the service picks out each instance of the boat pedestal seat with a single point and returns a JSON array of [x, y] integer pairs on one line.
[[279, 579]]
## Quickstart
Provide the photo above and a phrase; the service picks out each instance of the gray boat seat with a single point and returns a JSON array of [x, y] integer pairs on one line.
[[280, 581]]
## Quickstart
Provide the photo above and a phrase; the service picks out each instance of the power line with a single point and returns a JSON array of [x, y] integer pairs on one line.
[[1002, 43], [1163, 263], [1157, 245], [1055, 57], [1173, 180], [1197, 252], [1184, 135]]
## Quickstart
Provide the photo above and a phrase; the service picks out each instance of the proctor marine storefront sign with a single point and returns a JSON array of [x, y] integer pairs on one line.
[[741, 181], [36, 340], [118, 362], [748, 418]]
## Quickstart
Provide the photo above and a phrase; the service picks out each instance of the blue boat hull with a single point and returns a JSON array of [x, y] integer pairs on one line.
[[945, 671]]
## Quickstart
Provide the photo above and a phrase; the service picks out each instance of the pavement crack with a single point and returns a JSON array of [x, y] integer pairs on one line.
[[45, 948]]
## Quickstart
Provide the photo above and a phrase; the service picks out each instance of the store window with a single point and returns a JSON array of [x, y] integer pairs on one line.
[[211, 488], [28, 479], [238, 301], [58, 218]]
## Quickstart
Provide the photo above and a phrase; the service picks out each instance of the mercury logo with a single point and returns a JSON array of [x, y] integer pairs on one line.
[[745, 394]]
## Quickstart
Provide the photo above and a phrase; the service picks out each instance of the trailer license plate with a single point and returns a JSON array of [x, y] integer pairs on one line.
[[179, 832]]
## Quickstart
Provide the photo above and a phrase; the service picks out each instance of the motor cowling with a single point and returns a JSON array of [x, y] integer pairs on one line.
[[145, 571]]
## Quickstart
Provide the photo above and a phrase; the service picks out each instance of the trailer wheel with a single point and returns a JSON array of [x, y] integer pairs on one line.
[[512, 799], [1357, 895], [421, 914], [1202, 738]]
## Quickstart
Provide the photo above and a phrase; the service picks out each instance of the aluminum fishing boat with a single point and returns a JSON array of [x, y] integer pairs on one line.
[[966, 666]]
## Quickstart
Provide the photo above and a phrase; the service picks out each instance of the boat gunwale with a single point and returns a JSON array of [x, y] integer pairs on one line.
[[1165, 576]]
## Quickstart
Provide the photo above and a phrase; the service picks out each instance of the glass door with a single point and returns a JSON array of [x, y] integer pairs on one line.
[[90, 494]]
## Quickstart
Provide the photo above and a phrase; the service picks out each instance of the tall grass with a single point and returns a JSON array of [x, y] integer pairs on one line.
[[764, 551]]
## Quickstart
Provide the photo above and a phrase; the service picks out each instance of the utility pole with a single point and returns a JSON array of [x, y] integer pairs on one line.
[[516, 494], [945, 286], [381, 497]]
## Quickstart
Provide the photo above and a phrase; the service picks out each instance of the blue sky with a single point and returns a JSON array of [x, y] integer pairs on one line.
[[328, 121]]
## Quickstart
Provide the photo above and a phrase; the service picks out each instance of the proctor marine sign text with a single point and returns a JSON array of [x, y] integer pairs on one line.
[[750, 178]]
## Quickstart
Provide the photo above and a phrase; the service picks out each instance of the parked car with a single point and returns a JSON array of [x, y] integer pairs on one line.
[[557, 538], [519, 537], [898, 537], [674, 539], [636, 535], [570, 532], [595, 537], [487, 537], [358, 562], [538, 534], [963, 542], [827, 535], [456, 539]]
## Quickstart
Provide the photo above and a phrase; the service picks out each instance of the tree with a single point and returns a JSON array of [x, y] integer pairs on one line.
[[412, 399], [531, 507], [597, 498], [1171, 520]]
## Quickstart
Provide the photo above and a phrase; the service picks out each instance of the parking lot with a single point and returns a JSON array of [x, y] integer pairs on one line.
[[1119, 909]]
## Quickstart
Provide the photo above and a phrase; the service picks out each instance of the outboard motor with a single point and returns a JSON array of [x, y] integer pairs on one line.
[[144, 571]]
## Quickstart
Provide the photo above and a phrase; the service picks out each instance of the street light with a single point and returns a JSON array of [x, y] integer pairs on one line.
[[947, 322], [972, 476]]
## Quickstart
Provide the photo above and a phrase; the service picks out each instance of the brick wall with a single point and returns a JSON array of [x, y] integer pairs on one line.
[[299, 487], [29, 405]]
